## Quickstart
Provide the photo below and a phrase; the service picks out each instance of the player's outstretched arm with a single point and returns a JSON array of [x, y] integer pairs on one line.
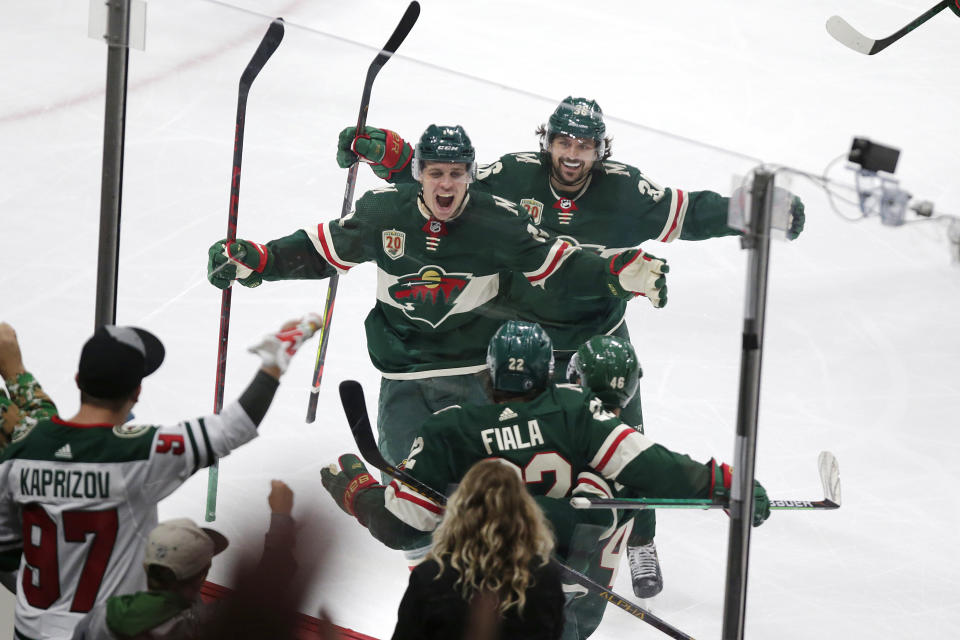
[[385, 151], [358, 494], [27, 402]]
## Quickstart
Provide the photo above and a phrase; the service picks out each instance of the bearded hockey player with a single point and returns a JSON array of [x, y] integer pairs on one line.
[[571, 188], [439, 246], [559, 438]]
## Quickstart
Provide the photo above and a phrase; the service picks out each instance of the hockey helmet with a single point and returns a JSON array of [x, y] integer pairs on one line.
[[440, 143], [607, 366], [577, 118], [520, 357]]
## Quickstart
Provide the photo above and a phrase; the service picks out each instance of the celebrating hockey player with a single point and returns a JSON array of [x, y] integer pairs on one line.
[[559, 438], [573, 189], [79, 496], [439, 246]]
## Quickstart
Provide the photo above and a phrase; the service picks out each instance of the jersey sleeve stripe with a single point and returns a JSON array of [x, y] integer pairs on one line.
[[323, 244], [678, 211], [413, 509], [193, 446], [208, 460], [618, 450], [559, 252], [589, 483]]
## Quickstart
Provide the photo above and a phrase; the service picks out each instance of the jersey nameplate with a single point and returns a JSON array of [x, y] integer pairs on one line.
[[510, 438]]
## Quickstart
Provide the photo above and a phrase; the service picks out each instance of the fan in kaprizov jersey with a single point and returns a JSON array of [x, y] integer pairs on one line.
[[78, 496]]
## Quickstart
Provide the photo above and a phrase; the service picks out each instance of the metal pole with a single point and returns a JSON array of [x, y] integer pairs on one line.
[[118, 28], [757, 242]]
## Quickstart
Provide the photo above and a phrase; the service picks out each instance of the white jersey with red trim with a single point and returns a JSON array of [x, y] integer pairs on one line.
[[551, 440], [77, 503]]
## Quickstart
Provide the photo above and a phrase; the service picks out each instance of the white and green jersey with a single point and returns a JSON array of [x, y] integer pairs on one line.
[[551, 441], [77, 503], [438, 282]]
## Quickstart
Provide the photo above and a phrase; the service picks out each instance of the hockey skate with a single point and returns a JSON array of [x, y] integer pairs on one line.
[[645, 570]]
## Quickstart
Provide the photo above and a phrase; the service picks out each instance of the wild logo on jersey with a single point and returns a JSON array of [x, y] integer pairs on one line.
[[429, 294]]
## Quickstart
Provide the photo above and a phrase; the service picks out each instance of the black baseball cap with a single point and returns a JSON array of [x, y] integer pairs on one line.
[[116, 359]]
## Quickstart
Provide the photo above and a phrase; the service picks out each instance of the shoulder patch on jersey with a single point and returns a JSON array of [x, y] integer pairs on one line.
[[131, 430], [453, 406], [23, 429], [616, 169], [529, 157]]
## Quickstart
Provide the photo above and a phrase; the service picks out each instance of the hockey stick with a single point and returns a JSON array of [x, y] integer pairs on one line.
[[355, 408], [829, 478], [269, 43], [846, 35], [396, 39]]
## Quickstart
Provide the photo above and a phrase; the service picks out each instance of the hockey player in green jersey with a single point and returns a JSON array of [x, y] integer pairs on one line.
[[439, 246], [572, 188], [559, 438]]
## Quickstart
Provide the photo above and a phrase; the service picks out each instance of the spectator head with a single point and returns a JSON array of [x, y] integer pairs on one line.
[[179, 554], [493, 534], [113, 362]]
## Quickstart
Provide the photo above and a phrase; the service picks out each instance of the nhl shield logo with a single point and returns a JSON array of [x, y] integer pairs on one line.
[[393, 243], [534, 208]]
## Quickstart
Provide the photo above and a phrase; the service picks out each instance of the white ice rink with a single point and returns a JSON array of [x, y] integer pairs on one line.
[[862, 355]]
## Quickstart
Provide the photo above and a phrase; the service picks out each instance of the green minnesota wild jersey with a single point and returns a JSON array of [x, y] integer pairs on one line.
[[617, 208], [77, 503], [551, 441], [437, 281]]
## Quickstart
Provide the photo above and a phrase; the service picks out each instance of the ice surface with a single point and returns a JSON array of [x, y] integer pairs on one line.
[[862, 353]]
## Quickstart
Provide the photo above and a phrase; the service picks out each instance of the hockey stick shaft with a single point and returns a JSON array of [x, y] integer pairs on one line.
[[396, 39], [271, 40], [355, 408], [841, 30], [644, 503], [828, 467]]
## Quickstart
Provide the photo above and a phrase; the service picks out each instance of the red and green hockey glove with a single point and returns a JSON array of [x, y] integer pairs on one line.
[[721, 476], [277, 349], [242, 260], [385, 151], [347, 482], [797, 218], [640, 274]]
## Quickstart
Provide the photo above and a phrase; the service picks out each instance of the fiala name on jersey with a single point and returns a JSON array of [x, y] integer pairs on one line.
[[510, 437]]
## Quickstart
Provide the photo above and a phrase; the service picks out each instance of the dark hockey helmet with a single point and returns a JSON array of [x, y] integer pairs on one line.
[[441, 143], [520, 357], [577, 118], [607, 366]]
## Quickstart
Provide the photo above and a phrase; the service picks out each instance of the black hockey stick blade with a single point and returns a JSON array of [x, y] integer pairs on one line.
[[267, 46], [355, 408], [399, 34], [846, 35]]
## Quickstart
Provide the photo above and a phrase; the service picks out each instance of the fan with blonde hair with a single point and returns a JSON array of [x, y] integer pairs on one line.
[[493, 535]]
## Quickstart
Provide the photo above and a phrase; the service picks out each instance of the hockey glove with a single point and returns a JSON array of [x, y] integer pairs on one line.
[[276, 349], [345, 483], [385, 151], [796, 218], [641, 274], [242, 260], [721, 476]]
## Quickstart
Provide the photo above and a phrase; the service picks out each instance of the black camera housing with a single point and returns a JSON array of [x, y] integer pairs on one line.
[[872, 156]]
